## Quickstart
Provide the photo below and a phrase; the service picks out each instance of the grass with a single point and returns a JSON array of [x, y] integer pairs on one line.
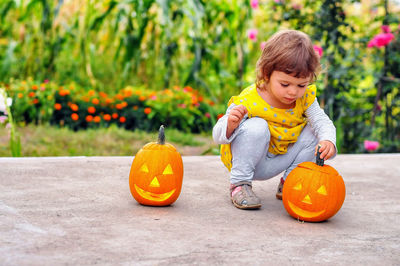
[[44, 140]]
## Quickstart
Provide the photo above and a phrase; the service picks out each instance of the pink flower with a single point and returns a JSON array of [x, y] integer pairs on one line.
[[319, 50], [371, 145], [2, 119], [153, 97], [182, 105], [380, 40], [46, 81], [254, 4], [385, 29], [372, 43], [207, 115], [296, 6], [262, 45], [252, 34]]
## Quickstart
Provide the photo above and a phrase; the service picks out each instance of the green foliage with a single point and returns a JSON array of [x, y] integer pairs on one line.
[[107, 46], [132, 108], [5, 112], [45, 140]]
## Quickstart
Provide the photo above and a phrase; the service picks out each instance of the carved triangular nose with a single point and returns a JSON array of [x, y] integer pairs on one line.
[[307, 199], [154, 182]]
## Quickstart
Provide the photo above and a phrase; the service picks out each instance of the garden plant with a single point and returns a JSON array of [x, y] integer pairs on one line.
[[137, 64]]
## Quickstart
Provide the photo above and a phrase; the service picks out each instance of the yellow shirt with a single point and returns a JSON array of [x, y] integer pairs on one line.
[[285, 125]]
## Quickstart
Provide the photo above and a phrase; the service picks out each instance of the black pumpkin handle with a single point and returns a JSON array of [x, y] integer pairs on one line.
[[161, 135], [319, 160]]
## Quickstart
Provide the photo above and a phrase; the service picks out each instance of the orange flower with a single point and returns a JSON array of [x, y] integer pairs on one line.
[[89, 118], [147, 110], [187, 89], [168, 92], [31, 94], [91, 93], [119, 106], [128, 93], [34, 87], [35, 101], [219, 116], [57, 106], [135, 107], [103, 95], [119, 97], [115, 115], [107, 117], [142, 98], [97, 119], [74, 107], [95, 101], [91, 110], [20, 95], [63, 92], [108, 101], [75, 116], [122, 119]]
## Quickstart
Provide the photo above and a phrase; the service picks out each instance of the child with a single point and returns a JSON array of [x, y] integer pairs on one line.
[[276, 123]]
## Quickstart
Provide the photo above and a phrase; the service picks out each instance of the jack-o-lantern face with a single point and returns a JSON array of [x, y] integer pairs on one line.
[[156, 174], [152, 185], [313, 193]]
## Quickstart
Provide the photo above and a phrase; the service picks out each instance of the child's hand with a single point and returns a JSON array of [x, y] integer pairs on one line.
[[235, 116], [327, 149]]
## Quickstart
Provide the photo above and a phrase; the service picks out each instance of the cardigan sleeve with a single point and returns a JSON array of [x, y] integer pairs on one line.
[[321, 124], [219, 130]]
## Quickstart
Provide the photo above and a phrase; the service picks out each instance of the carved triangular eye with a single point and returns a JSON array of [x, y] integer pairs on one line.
[[168, 170], [322, 190], [298, 186], [144, 168]]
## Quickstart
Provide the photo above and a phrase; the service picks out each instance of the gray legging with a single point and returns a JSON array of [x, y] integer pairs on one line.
[[251, 159]]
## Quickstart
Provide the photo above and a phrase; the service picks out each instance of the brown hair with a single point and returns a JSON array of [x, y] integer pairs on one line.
[[288, 51]]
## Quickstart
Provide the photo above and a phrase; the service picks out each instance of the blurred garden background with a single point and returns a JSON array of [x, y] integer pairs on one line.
[[99, 77]]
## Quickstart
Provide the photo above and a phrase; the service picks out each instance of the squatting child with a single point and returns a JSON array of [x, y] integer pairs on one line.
[[276, 123]]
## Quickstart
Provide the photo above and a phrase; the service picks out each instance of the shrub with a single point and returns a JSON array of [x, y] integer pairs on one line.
[[131, 108]]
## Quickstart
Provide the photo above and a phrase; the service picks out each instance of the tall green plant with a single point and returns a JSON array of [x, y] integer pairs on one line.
[[15, 143]]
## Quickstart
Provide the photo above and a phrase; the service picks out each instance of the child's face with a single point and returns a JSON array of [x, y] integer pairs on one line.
[[285, 89]]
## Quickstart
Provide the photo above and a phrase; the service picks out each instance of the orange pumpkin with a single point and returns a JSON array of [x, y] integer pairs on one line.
[[156, 173], [313, 192]]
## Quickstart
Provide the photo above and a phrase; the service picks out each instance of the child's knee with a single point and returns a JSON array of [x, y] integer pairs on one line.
[[307, 137], [256, 128]]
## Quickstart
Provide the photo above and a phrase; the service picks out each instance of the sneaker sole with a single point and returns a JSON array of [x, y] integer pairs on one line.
[[247, 207], [279, 197]]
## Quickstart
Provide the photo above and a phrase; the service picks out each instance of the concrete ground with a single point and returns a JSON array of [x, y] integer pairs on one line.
[[79, 211]]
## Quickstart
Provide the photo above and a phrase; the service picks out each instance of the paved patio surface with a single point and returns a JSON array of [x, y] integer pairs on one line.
[[79, 211]]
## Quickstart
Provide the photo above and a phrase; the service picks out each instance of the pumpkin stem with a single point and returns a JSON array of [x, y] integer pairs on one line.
[[318, 160], [161, 135]]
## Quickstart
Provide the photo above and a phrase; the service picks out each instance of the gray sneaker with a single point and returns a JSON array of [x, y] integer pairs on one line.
[[243, 197]]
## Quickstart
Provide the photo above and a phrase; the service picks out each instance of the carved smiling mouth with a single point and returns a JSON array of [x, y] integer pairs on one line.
[[153, 196], [304, 213]]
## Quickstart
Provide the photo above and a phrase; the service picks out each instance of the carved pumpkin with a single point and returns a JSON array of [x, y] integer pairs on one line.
[[313, 192], [156, 173]]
